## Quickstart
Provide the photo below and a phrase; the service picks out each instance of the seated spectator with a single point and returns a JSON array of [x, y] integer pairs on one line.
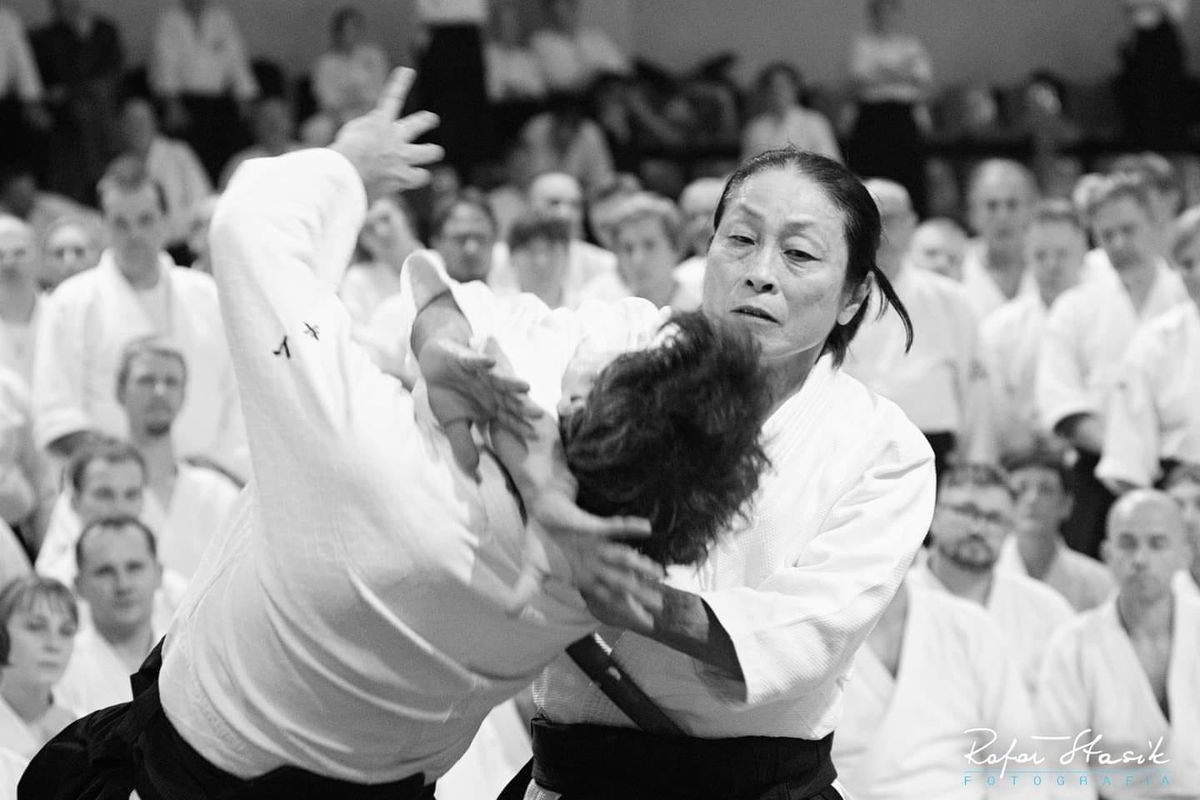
[[200, 72], [107, 478], [26, 482], [604, 204], [118, 574], [946, 657], [648, 231], [1152, 84], [21, 196], [539, 254], [1153, 416], [38, 621], [973, 517], [563, 139], [784, 121], [1183, 486], [1000, 199], [80, 58], [1127, 674], [71, 245], [1036, 548], [385, 241], [347, 78], [170, 163], [572, 56], [939, 245], [637, 129], [938, 379], [273, 135], [698, 204], [20, 298], [1012, 335], [134, 291], [513, 72], [1088, 334], [559, 195], [1164, 192]]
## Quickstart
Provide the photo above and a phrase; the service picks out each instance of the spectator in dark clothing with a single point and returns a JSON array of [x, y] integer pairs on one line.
[[1152, 83], [80, 58]]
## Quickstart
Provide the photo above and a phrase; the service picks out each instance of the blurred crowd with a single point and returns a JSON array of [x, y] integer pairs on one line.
[[1044, 238]]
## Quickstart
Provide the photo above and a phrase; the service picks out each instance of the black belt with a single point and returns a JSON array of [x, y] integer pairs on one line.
[[105, 755], [597, 762]]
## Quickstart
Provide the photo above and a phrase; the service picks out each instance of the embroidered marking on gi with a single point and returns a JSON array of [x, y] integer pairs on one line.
[[313, 331], [283, 348]]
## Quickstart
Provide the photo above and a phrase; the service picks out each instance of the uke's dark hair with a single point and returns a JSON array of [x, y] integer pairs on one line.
[[671, 434]]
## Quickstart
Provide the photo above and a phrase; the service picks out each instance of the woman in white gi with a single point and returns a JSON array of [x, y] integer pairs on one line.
[[38, 621], [748, 652], [1154, 411]]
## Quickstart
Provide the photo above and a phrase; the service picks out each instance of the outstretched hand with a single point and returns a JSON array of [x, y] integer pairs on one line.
[[381, 147]]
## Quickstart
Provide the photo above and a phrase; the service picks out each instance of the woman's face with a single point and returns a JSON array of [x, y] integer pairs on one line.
[[777, 265], [41, 640], [69, 250]]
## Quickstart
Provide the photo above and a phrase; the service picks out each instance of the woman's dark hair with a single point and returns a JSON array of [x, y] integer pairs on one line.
[[343, 15], [470, 197], [671, 434], [861, 225]]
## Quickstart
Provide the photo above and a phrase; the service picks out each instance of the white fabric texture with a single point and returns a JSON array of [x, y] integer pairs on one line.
[[1082, 581], [1092, 678], [1154, 408], [360, 614], [903, 737], [205, 57], [85, 326]]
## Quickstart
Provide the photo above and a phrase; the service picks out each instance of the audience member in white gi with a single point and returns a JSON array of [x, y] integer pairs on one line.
[[347, 77], [603, 204], [135, 291], [939, 382], [647, 235], [564, 138], [571, 55], [539, 252], [20, 298], [1012, 335], [1163, 188], [21, 196], [200, 71], [186, 504], [1126, 675], [784, 121], [118, 574], [513, 72], [1154, 411], [976, 509], [559, 195], [1183, 485], [932, 670], [38, 621], [1088, 333], [1043, 488], [698, 204], [70, 245], [1000, 198], [385, 241], [939, 245], [26, 480], [273, 135], [170, 163]]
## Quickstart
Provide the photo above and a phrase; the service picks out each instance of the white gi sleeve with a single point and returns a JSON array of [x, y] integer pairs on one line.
[[1063, 709], [58, 371], [1131, 434], [802, 626], [1062, 389]]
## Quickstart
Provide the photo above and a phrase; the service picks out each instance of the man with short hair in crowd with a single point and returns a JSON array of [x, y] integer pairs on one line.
[[539, 253], [135, 290], [975, 511], [1000, 197], [1126, 675], [1183, 486], [118, 574], [1043, 488], [1088, 333]]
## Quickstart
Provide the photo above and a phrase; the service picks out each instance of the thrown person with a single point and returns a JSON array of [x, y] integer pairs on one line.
[[368, 642]]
